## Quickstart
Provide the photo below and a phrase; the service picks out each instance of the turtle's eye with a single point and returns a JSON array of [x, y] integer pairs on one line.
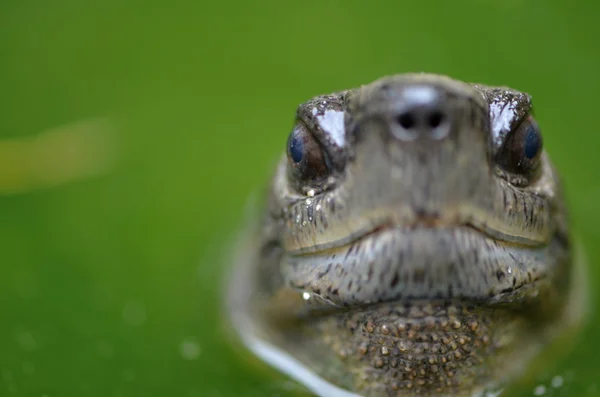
[[307, 157], [522, 149]]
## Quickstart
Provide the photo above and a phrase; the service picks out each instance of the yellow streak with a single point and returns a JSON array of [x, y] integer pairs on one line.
[[56, 156]]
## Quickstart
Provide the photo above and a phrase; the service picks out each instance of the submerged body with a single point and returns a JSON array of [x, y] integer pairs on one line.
[[414, 242]]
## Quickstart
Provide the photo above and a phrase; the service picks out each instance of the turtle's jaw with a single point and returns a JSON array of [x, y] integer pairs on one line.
[[392, 264]]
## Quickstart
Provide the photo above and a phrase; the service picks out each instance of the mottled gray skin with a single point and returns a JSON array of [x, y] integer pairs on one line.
[[419, 266]]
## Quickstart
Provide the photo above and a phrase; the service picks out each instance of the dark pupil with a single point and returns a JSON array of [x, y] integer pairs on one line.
[[296, 149], [532, 143]]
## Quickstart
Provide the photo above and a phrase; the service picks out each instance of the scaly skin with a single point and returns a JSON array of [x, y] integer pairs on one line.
[[418, 256]]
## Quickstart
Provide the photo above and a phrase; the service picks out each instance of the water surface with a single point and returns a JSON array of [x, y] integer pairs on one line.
[[110, 262]]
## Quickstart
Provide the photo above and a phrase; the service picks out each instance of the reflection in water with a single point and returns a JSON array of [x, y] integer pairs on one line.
[[56, 156], [296, 370], [263, 342]]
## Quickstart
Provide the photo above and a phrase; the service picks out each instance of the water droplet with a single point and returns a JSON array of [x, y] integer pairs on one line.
[[539, 390], [495, 393], [557, 381], [189, 349], [26, 341], [310, 193], [306, 296], [308, 202], [134, 313], [318, 207]]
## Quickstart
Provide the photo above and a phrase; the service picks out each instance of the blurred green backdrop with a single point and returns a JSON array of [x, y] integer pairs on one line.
[[110, 281]]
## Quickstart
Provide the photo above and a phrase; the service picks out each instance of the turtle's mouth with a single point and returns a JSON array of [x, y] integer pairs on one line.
[[425, 260], [476, 222]]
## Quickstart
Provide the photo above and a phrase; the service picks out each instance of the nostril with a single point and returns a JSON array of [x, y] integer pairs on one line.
[[436, 119], [423, 121], [406, 120]]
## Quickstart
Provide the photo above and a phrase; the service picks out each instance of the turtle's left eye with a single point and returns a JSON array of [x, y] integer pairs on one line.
[[522, 149], [307, 158]]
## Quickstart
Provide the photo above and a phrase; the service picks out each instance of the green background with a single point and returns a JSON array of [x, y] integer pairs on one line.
[[111, 286]]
